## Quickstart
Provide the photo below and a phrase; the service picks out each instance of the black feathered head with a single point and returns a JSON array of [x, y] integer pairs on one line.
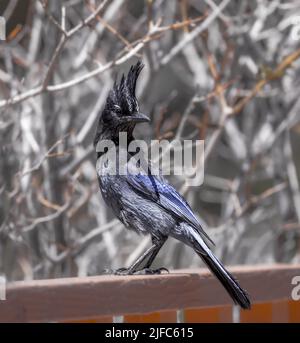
[[121, 110], [121, 99]]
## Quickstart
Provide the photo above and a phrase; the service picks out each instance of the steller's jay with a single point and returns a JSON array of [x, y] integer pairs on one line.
[[147, 203]]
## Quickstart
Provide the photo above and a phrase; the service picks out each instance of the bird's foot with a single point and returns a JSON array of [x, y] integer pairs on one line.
[[149, 271], [119, 271], [127, 271]]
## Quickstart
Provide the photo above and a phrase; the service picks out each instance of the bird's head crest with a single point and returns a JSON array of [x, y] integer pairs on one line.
[[121, 111], [122, 99]]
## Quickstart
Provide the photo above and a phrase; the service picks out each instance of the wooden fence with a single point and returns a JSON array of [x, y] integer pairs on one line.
[[181, 296]]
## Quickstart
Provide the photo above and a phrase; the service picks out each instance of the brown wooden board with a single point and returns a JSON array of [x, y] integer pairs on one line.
[[91, 297]]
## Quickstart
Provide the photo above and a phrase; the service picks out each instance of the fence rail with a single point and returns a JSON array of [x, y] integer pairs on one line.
[[186, 295]]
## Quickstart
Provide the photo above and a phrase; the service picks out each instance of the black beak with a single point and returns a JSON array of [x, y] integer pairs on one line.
[[136, 118]]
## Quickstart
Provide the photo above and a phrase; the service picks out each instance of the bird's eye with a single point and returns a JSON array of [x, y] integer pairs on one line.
[[117, 108]]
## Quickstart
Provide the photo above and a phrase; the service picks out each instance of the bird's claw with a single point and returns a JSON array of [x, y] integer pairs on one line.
[[127, 271], [119, 271], [149, 271]]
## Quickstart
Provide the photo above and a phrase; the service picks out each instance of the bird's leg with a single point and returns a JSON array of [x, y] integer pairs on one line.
[[149, 254], [134, 266], [157, 243]]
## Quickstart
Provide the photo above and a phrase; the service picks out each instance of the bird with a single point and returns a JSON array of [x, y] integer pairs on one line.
[[143, 202]]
